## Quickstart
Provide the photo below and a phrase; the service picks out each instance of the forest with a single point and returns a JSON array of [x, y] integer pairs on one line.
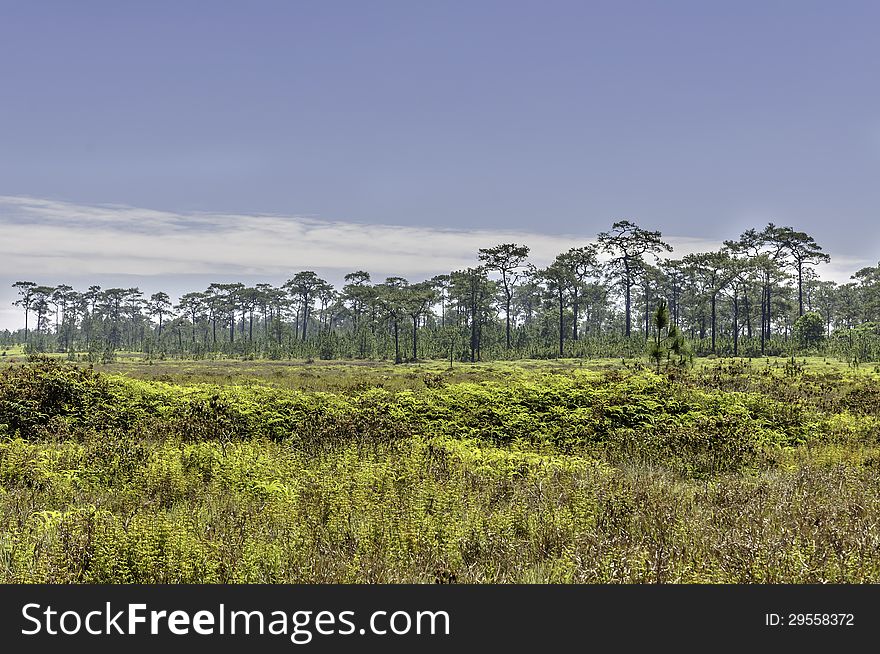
[[758, 295]]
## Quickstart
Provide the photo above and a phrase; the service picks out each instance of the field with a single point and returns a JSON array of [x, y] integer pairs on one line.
[[735, 471]]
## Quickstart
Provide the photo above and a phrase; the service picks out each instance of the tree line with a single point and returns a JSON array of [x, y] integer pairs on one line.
[[758, 294]]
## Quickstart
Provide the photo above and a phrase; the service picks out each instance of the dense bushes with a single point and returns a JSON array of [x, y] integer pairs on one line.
[[420, 511], [720, 475], [566, 411], [691, 422]]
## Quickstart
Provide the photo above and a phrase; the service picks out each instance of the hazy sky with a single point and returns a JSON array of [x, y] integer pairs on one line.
[[278, 123]]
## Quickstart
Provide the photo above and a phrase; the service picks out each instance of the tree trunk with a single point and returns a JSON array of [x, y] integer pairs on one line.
[[305, 319], [561, 325], [507, 317], [800, 288], [278, 324], [415, 320], [713, 322], [473, 332], [747, 307], [735, 325], [675, 305]]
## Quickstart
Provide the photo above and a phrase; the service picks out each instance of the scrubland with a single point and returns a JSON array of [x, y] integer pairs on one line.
[[734, 471]]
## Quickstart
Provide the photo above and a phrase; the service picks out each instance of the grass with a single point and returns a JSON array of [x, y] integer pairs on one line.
[[348, 376], [550, 471]]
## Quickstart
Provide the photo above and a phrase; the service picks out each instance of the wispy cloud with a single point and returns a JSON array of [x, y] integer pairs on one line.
[[52, 238], [49, 238], [51, 241]]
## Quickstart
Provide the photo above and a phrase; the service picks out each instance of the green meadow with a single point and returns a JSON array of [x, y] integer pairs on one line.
[[165, 471]]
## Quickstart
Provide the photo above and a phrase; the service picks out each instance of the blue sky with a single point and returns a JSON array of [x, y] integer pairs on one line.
[[550, 119]]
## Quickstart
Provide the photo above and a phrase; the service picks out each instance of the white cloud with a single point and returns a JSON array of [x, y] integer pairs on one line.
[[47, 240], [52, 238]]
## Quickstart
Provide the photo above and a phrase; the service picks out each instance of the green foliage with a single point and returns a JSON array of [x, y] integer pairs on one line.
[[809, 330], [729, 472], [668, 340]]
